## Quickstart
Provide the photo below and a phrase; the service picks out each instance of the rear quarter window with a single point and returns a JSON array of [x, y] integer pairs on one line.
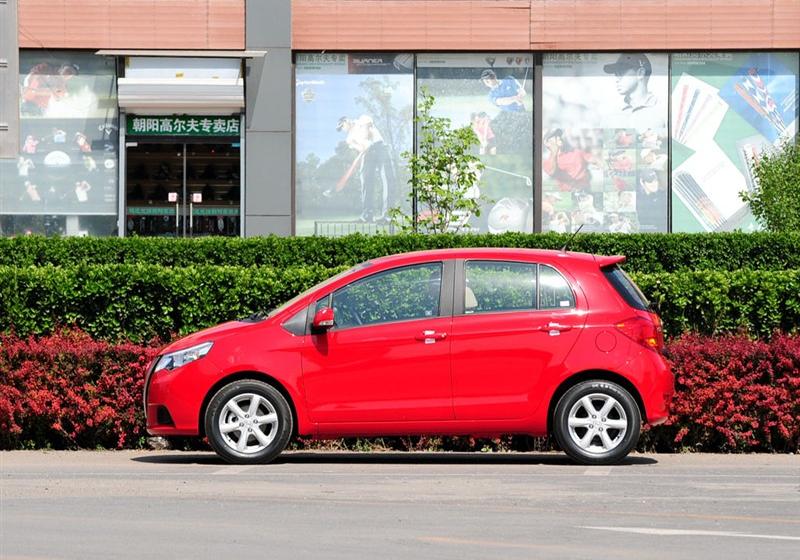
[[554, 290], [626, 288]]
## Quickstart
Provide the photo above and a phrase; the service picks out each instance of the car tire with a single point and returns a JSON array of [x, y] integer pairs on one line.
[[597, 422], [248, 422]]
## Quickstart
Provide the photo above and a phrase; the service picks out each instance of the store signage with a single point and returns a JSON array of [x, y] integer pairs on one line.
[[183, 125]]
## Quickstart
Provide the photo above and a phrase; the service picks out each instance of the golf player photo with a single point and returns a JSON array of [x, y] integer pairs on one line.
[[632, 73], [373, 165]]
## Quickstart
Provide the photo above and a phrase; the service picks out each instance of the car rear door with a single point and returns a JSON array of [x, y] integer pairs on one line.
[[387, 359], [514, 323]]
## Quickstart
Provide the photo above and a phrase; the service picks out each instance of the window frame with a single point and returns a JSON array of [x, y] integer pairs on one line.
[[445, 295], [459, 292]]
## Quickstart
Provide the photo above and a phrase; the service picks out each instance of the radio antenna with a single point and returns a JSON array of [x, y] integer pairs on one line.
[[571, 237]]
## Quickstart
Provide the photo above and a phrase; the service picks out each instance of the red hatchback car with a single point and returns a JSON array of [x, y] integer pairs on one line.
[[449, 342]]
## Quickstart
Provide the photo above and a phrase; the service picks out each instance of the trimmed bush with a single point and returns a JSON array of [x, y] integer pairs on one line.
[[138, 302], [711, 302], [646, 253], [733, 394]]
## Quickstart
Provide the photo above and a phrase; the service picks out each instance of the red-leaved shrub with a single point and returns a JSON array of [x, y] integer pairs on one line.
[[67, 390], [733, 394]]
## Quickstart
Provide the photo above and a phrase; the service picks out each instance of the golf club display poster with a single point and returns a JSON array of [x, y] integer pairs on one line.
[[492, 93], [604, 142], [68, 137], [354, 119], [727, 109]]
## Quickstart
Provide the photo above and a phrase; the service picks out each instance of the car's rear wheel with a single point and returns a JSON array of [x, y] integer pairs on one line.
[[248, 421], [597, 422]]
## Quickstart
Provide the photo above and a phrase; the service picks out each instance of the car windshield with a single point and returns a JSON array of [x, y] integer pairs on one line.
[[322, 284]]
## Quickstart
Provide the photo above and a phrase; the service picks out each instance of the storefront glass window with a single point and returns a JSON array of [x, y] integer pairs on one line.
[[66, 172], [493, 94], [353, 120], [604, 144], [727, 109]]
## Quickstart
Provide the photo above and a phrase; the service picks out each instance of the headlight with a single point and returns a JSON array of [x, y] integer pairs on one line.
[[182, 357]]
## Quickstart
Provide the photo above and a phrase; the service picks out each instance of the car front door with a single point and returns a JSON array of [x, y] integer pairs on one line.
[[387, 359], [513, 322]]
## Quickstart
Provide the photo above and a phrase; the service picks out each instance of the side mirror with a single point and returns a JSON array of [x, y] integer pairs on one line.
[[323, 319]]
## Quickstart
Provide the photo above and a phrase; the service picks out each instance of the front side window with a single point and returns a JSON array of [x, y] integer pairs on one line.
[[400, 294], [496, 286], [554, 291]]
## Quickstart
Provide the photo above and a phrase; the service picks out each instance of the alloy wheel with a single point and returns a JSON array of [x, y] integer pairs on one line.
[[248, 423], [597, 423]]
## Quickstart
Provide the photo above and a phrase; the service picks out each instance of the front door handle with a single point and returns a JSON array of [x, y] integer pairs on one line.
[[429, 337], [555, 327]]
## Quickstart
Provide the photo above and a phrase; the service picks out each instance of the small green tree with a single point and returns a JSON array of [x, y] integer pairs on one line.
[[444, 174], [775, 202]]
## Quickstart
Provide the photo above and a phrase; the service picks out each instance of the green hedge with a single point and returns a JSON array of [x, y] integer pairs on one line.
[[137, 302], [646, 252]]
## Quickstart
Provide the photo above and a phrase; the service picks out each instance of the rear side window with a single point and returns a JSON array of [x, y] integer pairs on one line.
[[496, 286], [626, 288]]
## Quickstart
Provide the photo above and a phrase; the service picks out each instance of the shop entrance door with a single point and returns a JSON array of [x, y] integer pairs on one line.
[[182, 189]]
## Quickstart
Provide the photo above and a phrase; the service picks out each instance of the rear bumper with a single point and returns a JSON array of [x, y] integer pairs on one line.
[[658, 399]]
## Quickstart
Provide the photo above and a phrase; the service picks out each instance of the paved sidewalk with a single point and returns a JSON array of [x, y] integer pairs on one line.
[[139, 504]]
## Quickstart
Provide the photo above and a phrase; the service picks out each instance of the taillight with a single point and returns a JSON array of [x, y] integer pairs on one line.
[[659, 331], [645, 331]]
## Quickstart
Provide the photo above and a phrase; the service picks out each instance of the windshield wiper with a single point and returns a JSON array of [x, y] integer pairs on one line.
[[258, 316]]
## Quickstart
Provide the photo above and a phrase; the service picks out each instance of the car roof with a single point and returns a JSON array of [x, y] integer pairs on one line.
[[484, 252]]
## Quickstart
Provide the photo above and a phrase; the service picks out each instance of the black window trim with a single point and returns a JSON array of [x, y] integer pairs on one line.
[[461, 282], [445, 295]]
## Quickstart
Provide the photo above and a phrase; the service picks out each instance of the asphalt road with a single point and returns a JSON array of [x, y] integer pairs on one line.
[[154, 505]]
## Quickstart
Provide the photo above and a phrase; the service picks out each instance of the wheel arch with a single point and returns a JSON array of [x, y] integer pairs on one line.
[[587, 375], [249, 375]]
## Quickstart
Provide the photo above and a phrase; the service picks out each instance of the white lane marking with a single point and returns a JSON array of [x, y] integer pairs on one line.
[[690, 532], [233, 470], [597, 471]]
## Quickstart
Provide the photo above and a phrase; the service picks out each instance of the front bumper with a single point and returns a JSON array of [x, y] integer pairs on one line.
[[174, 399]]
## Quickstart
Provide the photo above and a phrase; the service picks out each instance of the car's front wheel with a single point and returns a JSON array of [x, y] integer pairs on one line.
[[248, 422], [597, 422]]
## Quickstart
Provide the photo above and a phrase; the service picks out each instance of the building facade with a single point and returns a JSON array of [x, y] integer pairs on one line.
[[244, 118]]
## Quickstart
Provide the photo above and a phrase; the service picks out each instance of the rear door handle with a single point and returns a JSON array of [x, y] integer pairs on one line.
[[429, 337], [555, 327]]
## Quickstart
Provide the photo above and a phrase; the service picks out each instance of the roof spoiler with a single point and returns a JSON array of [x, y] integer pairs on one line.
[[603, 261]]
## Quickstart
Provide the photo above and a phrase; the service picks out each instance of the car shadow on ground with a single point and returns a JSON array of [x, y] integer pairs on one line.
[[392, 457]]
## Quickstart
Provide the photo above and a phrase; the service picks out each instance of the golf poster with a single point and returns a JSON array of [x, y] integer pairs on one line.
[[354, 120], [727, 108], [604, 142], [492, 93]]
